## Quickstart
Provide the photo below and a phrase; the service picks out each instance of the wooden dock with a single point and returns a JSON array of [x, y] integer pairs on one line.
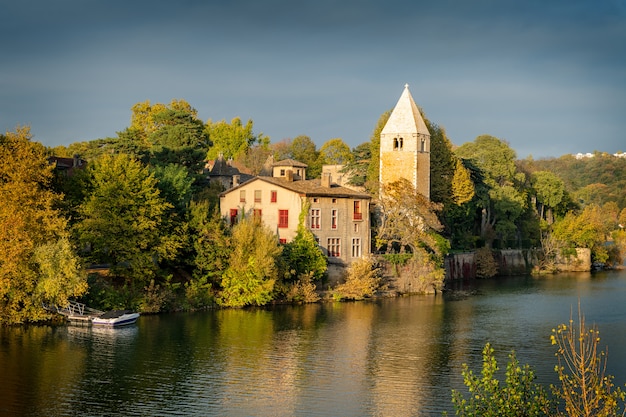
[[76, 313]]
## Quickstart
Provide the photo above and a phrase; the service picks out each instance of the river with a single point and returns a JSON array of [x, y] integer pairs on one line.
[[389, 357]]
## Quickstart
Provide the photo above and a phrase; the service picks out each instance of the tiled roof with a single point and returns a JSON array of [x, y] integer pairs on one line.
[[309, 188], [290, 163]]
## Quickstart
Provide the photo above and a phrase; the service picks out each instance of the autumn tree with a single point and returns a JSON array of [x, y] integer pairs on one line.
[[37, 261]]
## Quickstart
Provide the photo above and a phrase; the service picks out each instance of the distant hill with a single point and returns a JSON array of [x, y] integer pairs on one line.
[[598, 179]]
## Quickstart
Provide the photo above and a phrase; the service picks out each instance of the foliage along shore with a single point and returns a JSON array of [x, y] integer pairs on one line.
[[142, 203]]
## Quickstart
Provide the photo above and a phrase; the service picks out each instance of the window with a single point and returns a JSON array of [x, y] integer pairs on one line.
[[256, 213], [333, 219], [233, 216], [334, 200], [356, 247], [316, 200], [398, 144], [257, 196], [283, 218], [282, 172], [316, 219], [242, 196], [273, 196], [334, 247], [282, 240], [357, 210], [356, 227]]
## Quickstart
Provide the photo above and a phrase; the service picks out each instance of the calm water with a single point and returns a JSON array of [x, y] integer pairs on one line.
[[395, 357]]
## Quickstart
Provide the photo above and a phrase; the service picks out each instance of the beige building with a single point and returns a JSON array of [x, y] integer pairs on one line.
[[405, 146], [338, 216]]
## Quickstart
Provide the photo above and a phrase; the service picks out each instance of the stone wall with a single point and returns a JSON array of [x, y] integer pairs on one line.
[[513, 262]]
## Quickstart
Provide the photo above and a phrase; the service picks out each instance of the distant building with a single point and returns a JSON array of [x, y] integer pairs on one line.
[[223, 172], [337, 216], [405, 146], [67, 166]]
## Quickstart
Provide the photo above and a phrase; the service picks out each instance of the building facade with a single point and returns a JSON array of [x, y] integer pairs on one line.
[[405, 146], [337, 216]]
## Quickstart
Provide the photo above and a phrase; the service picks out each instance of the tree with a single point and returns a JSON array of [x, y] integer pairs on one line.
[[462, 186], [374, 166], [335, 152], [179, 138], [584, 385], [549, 191], [233, 139], [121, 219], [443, 164], [407, 219], [304, 150], [303, 256], [358, 166], [518, 396], [584, 230], [252, 271], [504, 202], [37, 263]]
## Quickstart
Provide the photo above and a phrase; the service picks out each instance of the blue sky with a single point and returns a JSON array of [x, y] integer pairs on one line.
[[549, 77]]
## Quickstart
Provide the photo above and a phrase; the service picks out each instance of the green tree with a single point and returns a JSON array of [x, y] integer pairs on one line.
[[122, 217], [303, 149], [252, 271], [518, 396], [303, 256], [584, 230], [374, 166], [231, 139], [505, 201], [358, 166], [335, 152], [549, 191], [37, 263], [442, 164]]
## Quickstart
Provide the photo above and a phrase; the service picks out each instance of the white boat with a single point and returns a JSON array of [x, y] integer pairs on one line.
[[115, 318]]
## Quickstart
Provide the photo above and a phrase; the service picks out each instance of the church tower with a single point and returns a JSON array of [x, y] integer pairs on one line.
[[405, 146]]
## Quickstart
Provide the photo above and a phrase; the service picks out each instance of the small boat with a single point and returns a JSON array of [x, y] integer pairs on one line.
[[115, 318]]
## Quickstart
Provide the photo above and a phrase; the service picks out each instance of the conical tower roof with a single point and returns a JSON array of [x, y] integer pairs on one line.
[[405, 117]]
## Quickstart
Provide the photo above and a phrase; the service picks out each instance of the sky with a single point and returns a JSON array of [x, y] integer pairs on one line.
[[547, 76]]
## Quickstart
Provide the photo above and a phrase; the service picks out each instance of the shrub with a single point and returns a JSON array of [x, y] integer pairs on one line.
[[362, 280]]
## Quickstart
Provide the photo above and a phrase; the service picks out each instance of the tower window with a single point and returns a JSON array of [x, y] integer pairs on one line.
[[398, 144]]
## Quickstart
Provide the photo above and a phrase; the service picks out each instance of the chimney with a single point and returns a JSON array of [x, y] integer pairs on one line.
[[235, 180], [326, 179]]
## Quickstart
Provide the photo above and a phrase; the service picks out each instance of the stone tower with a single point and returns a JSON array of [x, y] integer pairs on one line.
[[405, 146]]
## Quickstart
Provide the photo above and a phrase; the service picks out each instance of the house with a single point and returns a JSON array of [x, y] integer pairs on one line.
[[223, 172], [66, 166], [337, 216]]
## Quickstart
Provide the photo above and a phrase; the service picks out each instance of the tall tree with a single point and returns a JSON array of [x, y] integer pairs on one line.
[[37, 262], [252, 271], [121, 219], [303, 149], [374, 166]]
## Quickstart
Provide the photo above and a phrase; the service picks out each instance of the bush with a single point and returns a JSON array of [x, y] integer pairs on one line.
[[520, 395], [362, 280]]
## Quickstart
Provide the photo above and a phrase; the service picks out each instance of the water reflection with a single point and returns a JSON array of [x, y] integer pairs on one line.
[[397, 357]]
